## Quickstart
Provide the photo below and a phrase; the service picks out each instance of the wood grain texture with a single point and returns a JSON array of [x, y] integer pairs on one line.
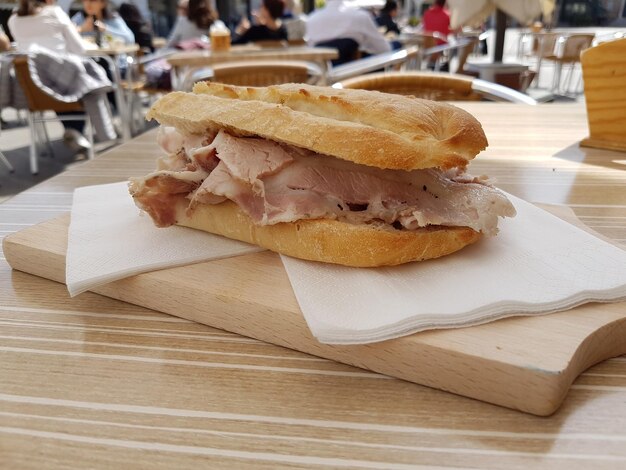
[[526, 363], [92, 382], [604, 70]]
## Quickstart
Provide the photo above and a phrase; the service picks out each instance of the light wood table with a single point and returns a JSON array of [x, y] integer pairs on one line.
[[95, 383], [185, 63]]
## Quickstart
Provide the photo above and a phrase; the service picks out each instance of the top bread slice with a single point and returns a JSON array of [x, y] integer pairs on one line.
[[365, 127]]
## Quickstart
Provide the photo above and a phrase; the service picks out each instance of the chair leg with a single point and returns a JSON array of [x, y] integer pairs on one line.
[[568, 79], [580, 87], [556, 84], [6, 162], [34, 169], [38, 141], [47, 138], [89, 127], [538, 72]]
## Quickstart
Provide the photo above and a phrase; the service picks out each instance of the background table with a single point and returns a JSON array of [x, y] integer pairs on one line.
[[91, 382], [185, 63]]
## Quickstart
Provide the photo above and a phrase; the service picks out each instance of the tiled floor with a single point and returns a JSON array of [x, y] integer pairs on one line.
[[14, 141], [14, 144]]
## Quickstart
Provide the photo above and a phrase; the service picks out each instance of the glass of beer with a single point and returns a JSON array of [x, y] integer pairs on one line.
[[220, 39]]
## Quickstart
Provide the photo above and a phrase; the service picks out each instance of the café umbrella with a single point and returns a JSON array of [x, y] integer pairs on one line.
[[474, 12]]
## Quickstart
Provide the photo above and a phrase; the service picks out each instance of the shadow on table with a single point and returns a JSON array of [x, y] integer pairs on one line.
[[592, 156]]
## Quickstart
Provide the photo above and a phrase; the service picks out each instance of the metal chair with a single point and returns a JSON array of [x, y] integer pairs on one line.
[[264, 73], [436, 86], [39, 102], [567, 51], [139, 89], [384, 61], [258, 73], [537, 46], [4, 160]]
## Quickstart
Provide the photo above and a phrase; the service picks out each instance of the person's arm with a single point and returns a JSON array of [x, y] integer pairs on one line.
[[241, 34], [73, 42], [243, 38], [5, 42], [372, 40], [78, 18], [393, 26], [175, 34], [119, 29]]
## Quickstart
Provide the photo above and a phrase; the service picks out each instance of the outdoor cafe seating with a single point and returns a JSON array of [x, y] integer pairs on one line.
[[179, 348]]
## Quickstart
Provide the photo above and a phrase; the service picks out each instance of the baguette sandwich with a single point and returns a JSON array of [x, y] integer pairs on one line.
[[352, 177]]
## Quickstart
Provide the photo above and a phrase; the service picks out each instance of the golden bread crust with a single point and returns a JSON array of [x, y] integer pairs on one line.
[[365, 127], [327, 240]]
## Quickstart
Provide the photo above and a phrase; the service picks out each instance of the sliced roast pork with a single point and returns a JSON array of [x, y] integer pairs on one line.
[[276, 183]]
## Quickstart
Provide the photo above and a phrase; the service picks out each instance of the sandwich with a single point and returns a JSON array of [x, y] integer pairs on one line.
[[352, 177]]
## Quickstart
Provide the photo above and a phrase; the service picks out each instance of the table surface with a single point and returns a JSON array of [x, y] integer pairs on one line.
[[251, 52], [109, 385], [116, 50]]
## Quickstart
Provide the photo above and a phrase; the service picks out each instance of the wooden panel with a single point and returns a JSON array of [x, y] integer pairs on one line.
[[604, 70], [522, 363]]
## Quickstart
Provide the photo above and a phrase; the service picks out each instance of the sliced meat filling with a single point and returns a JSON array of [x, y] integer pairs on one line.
[[276, 183]]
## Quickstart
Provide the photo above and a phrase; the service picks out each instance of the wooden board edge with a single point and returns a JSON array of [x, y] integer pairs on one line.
[[435, 367]]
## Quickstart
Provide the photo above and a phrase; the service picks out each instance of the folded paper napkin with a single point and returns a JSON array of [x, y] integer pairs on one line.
[[537, 264], [108, 239]]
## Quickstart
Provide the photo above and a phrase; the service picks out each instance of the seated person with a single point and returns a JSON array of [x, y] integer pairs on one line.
[[46, 25], [268, 27], [42, 22], [386, 18], [138, 25], [339, 20], [437, 20], [5, 42], [193, 21], [97, 19]]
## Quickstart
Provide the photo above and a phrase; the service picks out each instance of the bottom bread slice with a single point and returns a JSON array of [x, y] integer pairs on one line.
[[326, 240]]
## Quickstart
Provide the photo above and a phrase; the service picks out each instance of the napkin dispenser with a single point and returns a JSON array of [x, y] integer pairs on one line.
[[604, 69]]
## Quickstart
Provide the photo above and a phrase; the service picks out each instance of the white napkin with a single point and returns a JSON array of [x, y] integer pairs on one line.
[[537, 264], [109, 239]]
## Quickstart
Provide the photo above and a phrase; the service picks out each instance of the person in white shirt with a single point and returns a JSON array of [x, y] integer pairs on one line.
[[340, 20], [45, 24]]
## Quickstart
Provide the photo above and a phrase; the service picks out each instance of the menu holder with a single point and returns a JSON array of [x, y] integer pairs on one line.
[[604, 69]]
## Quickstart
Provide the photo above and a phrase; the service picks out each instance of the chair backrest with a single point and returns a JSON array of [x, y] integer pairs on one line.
[[36, 98], [569, 47], [373, 63], [543, 44], [432, 86], [436, 87], [261, 73], [348, 49]]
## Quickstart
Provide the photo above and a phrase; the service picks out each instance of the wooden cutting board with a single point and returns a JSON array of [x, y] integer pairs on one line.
[[525, 363]]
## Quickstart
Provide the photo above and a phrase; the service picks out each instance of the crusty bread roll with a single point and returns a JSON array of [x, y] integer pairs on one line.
[[388, 132], [325, 240], [366, 127]]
